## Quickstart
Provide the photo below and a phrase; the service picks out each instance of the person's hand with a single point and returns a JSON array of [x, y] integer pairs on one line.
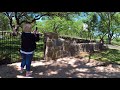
[[35, 32], [14, 33]]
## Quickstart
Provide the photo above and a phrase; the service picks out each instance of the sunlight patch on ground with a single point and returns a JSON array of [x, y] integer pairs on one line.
[[38, 64], [100, 69], [14, 64], [53, 72], [50, 72], [20, 76], [71, 62], [82, 69], [80, 75], [41, 73], [48, 63]]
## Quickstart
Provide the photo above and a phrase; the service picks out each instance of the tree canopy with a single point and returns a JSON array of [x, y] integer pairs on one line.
[[100, 25]]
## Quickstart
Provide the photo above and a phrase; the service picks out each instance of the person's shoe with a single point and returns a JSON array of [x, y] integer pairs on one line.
[[28, 74], [21, 70]]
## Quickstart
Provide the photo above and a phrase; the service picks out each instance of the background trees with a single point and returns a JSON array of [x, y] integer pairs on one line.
[[100, 25], [4, 23], [110, 21]]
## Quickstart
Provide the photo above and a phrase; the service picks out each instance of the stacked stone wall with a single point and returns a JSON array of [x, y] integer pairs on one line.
[[58, 47]]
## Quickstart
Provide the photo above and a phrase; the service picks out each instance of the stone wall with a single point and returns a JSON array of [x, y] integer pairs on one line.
[[57, 47]]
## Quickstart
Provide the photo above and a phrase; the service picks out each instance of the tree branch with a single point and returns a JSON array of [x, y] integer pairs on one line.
[[38, 17]]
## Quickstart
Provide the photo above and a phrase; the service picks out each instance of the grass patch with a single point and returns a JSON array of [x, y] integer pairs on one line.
[[116, 43], [110, 55], [9, 49]]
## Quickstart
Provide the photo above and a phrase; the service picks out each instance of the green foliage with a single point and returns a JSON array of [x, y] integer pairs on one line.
[[116, 41], [100, 24], [109, 24], [4, 22], [91, 20], [9, 49], [111, 55], [60, 26]]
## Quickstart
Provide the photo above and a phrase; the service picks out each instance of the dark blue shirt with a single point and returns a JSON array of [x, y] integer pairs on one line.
[[28, 41]]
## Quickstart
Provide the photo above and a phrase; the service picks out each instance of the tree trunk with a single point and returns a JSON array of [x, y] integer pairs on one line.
[[109, 34], [109, 41], [109, 38], [102, 40]]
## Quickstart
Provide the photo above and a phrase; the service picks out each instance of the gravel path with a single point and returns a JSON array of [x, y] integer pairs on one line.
[[64, 68]]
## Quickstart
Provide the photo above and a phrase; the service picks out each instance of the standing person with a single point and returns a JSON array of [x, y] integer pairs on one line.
[[28, 45]]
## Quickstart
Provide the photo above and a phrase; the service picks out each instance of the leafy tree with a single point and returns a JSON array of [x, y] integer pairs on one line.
[[111, 22], [22, 17], [61, 26], [55, 24], [4, 23], [91, 20]]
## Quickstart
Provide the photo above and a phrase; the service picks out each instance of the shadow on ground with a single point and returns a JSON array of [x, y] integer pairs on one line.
[[77, 70], [7, 71], [65, 68]]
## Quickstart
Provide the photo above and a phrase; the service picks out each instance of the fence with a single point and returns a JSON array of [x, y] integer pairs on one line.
[[9, 48]]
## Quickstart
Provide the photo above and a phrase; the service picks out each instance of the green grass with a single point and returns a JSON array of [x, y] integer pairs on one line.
[[9, 49], [116, 42], [110, 55]]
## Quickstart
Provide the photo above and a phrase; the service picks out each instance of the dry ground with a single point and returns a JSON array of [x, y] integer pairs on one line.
[[69, 67]]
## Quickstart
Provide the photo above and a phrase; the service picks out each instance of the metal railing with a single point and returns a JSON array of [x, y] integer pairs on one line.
[[10, 45]]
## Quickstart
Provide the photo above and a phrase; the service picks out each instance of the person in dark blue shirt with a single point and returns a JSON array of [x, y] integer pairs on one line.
[[28, 45]]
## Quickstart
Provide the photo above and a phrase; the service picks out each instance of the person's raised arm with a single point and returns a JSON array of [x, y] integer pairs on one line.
[[37, 34]]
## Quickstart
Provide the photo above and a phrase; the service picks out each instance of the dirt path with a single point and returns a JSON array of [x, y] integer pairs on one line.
[[64, 68], [113, 47]]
